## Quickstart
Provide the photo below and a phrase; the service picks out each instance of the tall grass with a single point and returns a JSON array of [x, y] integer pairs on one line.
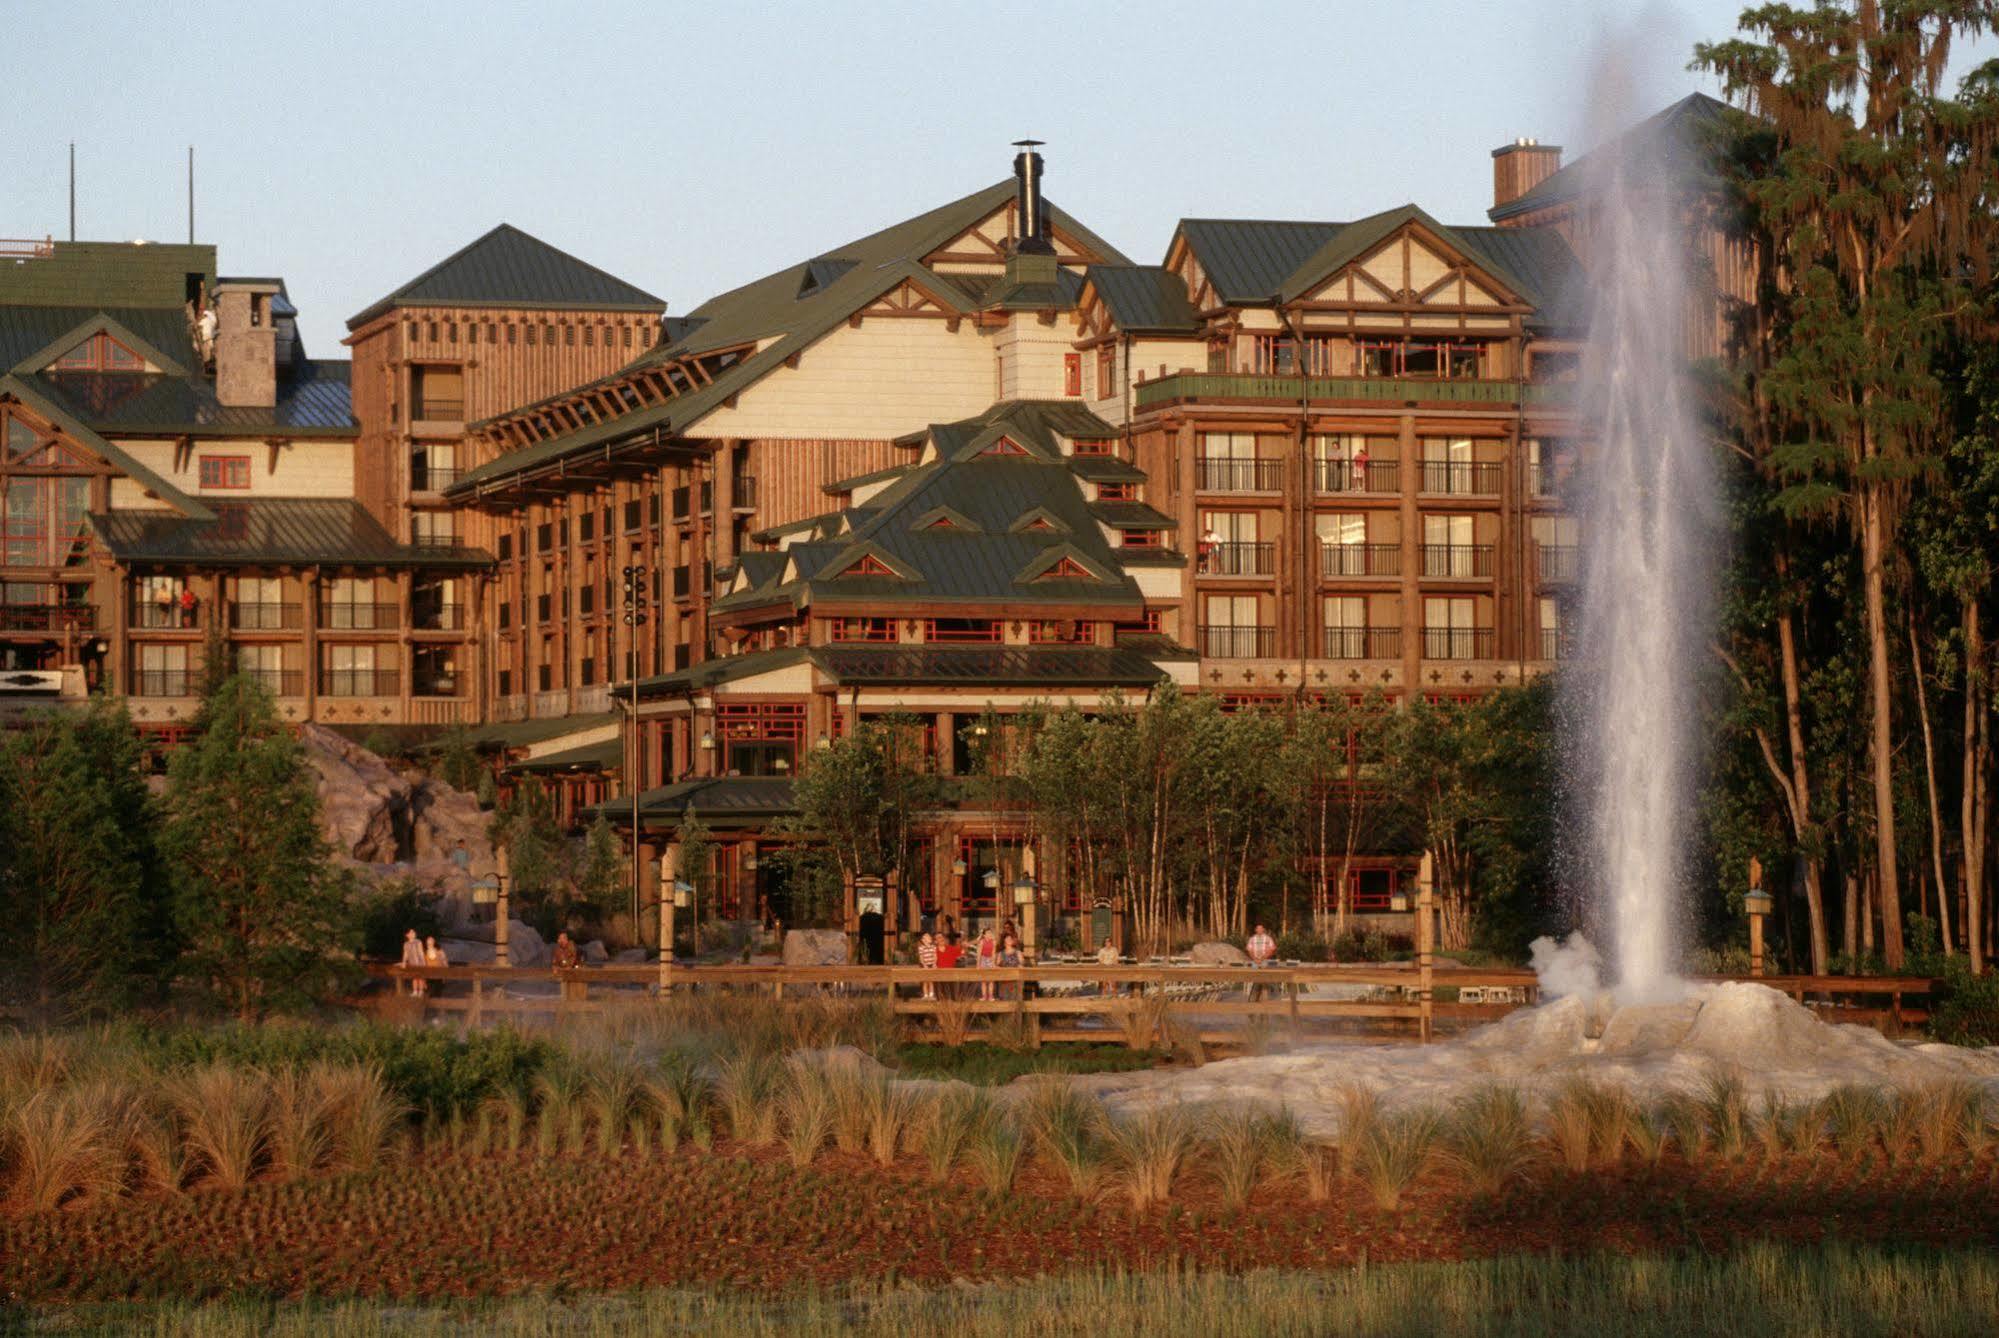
[[948, 1124], [1392, 1152], [997, 1146], [223, 1111], [1148, 1149], [892, 1109], [1487, 1140], [64, 1143], [746, 1089], [1068, 1132], [300, 1134], [805, 1108]]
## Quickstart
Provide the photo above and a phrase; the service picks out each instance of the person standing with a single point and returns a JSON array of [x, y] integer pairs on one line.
[[1261, 947], [413, 956], [187, 606], [461, 856], [1107, 955], [1210, 547], [926, 957], [1010, 955], [433, 956], [986, 955]]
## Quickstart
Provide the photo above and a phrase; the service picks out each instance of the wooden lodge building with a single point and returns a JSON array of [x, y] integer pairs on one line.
[[974, 460]]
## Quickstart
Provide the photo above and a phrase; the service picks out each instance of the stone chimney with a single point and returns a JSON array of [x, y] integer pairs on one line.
[[246, 343], [1521, 166]]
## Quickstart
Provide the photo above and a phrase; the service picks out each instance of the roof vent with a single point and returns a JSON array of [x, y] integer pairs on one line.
[[1032, 209]]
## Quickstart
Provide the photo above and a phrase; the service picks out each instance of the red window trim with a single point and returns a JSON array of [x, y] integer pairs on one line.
[[229, 471], [972, 635], [1072, 374]]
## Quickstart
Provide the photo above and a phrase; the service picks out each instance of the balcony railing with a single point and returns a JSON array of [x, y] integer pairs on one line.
[[1396, 390], [162, 683], [1461, 478], [1238, 643], [1337, 560], [743, 492], [1363, 643], [266, 616], [438, 617], [360, 682], [152, 616], [1556, 644], [436, 685], [47, 617], [1240, 559], [434, 410], [1359, 476], [1225, 474], [432, 478], [1454, 561], [1557, 563], [279, 682], [345, 617], [1457, 643]]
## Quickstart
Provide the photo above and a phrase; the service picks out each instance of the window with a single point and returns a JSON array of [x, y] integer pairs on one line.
[[1422, 359], [1095, 446], [434, 671], [866, 565], [1143, 539], [100, 353], [1218, 355], [1072, 374], [862, 629], [1149, 621], [161, 672], [1065, 632], [1106, 370], [1230, 630], [1451, 630], [1117, 492], [438, 393], [1005, 446], [984, 631], [759, 738], [359, 671], [1066, 569], [44, 522], [434, 529], [225, 471], [1554, 645], [1273, 355]]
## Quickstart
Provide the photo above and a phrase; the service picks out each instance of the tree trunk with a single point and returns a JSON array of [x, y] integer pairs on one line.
[[1850, 915], [1794, 724], [1872, 525], [1930, 779], [1977, 747]]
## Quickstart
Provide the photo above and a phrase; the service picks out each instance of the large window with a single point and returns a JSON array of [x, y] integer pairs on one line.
[[352, 603], [1420, 359], [359, 671], [1451, 630], [225, 471], [161, 672], [438, 394], [45, 522], [759, 738], [100, 353]]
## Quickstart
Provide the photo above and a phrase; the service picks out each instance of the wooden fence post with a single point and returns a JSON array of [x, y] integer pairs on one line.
[[1426, 933]]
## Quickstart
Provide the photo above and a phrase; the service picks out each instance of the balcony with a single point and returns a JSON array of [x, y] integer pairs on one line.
[[1363, 643], [438, 617], [436, 409], [1461, 478], [1458, 561], [360, 682], [1240, 559], [426, 477], [265, 616], [47, 618], [279, 682], [1345, 560], [1238, 643], [163, 683], [1457, 643], [743, 493], [1558, 564], [1556, 644], [347, 617], [1288, 390], [683, 496], [1370, 476], [154, 616], [1234, 475]]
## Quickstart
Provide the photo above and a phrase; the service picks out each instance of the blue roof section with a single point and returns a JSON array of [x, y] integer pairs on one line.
[[313, 399]]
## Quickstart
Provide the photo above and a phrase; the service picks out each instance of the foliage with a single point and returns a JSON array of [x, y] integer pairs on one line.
[[458, 763], [537, 855], [260, 909], [388, 910], [989, 1066], [87, 928], [603, 877]]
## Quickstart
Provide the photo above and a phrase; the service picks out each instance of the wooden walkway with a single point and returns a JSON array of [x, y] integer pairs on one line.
[[1072, 1002]]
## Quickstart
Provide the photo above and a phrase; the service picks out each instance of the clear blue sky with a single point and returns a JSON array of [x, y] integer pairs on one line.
[[689, 148]]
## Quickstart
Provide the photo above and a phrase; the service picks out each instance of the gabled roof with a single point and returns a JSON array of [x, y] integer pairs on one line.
[[313, 400], [101, 323], [270, 529], [509, 268], [34, 392], [27, 332], [1679, 139], [1358, 238], [777, 320], [1247, 260], [1144, 299], [913, 666]]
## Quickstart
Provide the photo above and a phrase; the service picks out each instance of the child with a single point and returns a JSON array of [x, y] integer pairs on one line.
[[988, 954], [926, 957]]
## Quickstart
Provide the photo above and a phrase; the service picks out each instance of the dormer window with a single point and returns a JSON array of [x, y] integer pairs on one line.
[[1067, 569], [868, 565], [1004, 446], [100, 353]]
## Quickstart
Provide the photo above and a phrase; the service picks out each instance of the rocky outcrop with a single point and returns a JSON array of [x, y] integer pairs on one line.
[[815, 947], [1217, 954]]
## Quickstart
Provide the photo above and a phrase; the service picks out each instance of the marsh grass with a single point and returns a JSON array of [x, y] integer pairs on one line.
[[746, 1088], [1244, 1145], [1731, 1123], [1393, 1152], [1486, 1139], [892, 1110], [954, 1021], [1067, 1128], [1148, 1149], [64, 1143], [948, 1124], [805, 1108], [300, 1133], [1851, 1116], [223, 1112], [1009, 1032], [997, 1146]]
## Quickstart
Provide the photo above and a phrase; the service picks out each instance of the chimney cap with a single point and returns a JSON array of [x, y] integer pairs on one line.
[[1528, 143], [1029, 143]]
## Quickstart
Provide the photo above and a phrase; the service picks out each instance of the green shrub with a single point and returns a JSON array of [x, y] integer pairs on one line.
[[1301, 946], [391, 909], [1361, 944], [1967, 1006]]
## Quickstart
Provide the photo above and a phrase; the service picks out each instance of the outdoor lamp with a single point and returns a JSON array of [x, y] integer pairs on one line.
[[1757, 902], [992, 878], [822, 741], [485, 891], [958, 867], [782, 763], [681, 892], [750, 860], [1024, 889], [708, 740]]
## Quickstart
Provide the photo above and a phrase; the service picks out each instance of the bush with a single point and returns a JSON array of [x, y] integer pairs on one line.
[[1300, 946], [391, 909], [1967, 1006], [1361, 944]]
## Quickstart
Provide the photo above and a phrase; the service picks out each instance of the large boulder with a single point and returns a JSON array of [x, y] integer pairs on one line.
[[815, 947], [631, 957], [441, 817], [594, 953], [363, 803], [525, 947], [1217, 954]]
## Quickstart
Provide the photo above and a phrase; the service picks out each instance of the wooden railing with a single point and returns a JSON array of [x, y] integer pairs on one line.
[[1056, 1000]]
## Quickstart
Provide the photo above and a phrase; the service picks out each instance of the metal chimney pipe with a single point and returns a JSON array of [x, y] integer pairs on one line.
[[1033, 215]]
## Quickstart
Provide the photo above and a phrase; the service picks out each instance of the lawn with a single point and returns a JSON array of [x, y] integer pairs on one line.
[[1760, 1289], [989, 1065]]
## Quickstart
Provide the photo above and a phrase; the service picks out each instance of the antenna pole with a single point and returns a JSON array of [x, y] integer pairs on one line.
[[190, 195], [72, 190]]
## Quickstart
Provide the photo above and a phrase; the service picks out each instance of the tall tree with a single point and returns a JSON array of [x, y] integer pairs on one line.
[[261, 909], [78, 876], [1871, 197]]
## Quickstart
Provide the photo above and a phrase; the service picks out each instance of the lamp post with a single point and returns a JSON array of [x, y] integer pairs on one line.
[[500, 925], [666, 904], [1756, 903]]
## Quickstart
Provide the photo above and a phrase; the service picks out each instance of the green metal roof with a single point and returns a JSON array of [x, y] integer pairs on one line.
[[1679, 139], [1247, 260], [1145, 299], [719, 801], [313, 401], [35, 393], [709, 673], [509, 268], [505, 734], [785, 315], [109, 274], [320, 531], [609, 755]]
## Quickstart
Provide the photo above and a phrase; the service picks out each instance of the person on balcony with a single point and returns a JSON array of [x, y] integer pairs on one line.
[[1357, 474], [187, 602], [1210, 547]]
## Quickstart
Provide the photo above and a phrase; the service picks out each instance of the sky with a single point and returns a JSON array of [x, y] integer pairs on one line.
[[690, 148]]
